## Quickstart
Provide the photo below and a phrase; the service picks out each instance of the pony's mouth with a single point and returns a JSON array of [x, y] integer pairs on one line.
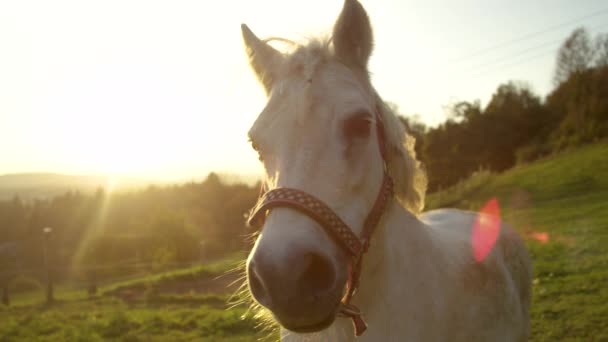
[[298, 326], [323, 324]]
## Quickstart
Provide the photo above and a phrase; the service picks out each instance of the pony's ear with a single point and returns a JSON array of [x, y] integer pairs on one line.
[[408, 176], [352, 36], [263, 58]]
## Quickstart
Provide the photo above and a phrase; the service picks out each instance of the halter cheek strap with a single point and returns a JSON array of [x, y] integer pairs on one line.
[[341, 233]]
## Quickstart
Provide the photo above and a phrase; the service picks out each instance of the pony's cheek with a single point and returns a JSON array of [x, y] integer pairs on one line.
[[358, 171]]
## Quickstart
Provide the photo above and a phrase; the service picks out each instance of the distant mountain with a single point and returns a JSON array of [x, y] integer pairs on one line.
[[44, 185], [244, 178]]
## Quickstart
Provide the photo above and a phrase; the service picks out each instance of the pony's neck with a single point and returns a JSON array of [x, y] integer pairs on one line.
[[401, 251], [395, 247]]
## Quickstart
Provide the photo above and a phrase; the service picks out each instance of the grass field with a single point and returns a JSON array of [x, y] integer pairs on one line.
[[180, 305], [559, 204]]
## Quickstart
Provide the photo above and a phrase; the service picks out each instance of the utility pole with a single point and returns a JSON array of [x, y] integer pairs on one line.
[[8, 256], [47, 263], [92, 281]]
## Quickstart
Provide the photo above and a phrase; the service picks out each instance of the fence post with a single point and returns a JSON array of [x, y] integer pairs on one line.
[[92, 283], [49, 279], [5, 300]]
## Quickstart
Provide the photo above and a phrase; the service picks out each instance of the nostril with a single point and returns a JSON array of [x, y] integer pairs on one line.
[[254, 282], [256, 286], [318, 274]]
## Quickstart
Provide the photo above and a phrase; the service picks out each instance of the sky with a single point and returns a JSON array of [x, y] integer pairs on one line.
[[162, 89]]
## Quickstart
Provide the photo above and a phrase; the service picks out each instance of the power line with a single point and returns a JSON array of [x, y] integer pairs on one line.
[[506, 58], [501, 61], [510, 65], [527, 36]]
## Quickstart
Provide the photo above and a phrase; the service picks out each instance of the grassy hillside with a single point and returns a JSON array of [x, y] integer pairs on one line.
[[561, 205]]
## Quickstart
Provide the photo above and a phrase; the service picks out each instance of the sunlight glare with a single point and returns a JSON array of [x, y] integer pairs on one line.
[[95, 228]]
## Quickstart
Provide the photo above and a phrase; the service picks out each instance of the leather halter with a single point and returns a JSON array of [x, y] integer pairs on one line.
[[342, 234]]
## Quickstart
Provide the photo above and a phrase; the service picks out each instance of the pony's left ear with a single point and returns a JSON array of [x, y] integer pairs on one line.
[[263, 58], [352, 35]]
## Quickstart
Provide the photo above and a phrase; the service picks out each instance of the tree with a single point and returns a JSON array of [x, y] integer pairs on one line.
[[513, 118], [474, 138], [601, 49], [574, 56], [159, 223], [464, 110], [580, 107]]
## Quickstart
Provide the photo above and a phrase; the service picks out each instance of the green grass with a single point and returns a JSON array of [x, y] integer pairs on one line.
[[155, 312], [111, 319], [213, 271], [565, 196]]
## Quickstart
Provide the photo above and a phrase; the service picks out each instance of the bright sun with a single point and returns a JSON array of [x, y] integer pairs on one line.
[[137, 97], [165, 128]]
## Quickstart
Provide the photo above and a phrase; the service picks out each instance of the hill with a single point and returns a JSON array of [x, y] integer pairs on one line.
[[560, 204], [43, 185], [46, 185]]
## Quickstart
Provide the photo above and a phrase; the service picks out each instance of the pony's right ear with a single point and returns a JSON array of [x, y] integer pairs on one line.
[[263, 58], [352, 35]]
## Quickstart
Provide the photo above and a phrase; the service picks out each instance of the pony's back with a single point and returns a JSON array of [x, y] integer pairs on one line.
[[502, 279]]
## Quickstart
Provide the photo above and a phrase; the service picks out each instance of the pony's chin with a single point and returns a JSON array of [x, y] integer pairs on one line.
[[310, 328]]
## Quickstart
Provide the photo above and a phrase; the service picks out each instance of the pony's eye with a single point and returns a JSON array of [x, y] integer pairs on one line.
[[357, 126]]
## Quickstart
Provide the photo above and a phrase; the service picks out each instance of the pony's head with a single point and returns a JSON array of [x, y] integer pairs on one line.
[[318, 133]]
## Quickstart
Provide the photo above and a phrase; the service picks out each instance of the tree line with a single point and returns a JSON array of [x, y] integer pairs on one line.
[[181, 224], [517, 126]]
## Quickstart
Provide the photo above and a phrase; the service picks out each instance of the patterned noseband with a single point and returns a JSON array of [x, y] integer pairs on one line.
[[335, 227]]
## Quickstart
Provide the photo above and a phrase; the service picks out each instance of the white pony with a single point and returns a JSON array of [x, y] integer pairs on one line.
[[420, 279]]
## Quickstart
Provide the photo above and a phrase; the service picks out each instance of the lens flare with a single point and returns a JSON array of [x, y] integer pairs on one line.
[[485, 230], [542, 237]]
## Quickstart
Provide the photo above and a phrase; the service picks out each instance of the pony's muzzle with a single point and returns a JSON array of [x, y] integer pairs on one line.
[[302, 288]]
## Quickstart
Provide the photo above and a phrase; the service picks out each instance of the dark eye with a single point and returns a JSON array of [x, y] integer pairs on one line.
[[357, 126]]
